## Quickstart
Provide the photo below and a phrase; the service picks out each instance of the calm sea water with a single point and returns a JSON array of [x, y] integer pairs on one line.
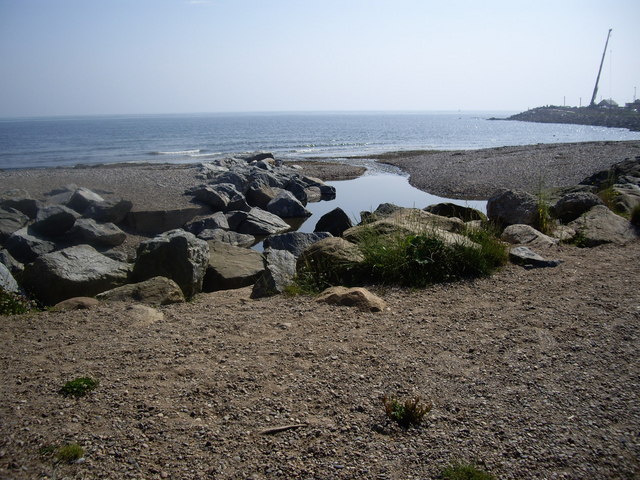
[[46, 142]]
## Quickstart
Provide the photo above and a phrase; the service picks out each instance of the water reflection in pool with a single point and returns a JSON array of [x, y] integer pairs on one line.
[[367, 192]]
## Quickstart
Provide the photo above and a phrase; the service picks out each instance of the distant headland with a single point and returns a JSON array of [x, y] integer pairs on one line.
[[605, 114]]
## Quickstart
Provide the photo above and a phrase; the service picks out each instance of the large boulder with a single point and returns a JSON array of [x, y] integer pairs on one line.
[[221, 197], [233, 177], [286, 205], [11, 220], [259, 194], [25, 245], [335, 222], [334, 258], [466, 214], [626, 197], [526, 257], [513, 207], [83, 198], [527, 235], [72, 272], [20, 200], [358, 297], [294, 242], [600, 225], [258, 222], [211, 222], [7, 282], [177, 255], [231, 267], [109, 211], [152, 222], [279, 271], [232, 238], [572, 205], [14, 266], [98, 234], [155, 291], [54, 220]]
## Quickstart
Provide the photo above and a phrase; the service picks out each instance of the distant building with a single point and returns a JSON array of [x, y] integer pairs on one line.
[[608, 103], [633, 105]]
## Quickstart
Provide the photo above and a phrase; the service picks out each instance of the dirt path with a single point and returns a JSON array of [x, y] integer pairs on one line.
[[532, 374]]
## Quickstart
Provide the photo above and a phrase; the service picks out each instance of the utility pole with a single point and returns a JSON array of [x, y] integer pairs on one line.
[[595, 89]]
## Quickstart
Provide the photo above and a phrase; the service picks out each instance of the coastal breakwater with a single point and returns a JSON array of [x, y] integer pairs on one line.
[[596, 116]]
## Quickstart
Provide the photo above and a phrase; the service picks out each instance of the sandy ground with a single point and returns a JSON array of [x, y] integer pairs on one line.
[[532, 374]]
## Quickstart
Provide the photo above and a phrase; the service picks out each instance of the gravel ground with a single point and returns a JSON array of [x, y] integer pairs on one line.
[[527, 386], [480, 174]]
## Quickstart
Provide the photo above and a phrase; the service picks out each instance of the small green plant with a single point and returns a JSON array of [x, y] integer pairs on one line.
[[463, 471], [78, 387], [407, 413], [14, 303], [545, 222], [69, 453]]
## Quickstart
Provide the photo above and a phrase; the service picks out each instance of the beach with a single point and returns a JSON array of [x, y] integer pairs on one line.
[[522, 384]]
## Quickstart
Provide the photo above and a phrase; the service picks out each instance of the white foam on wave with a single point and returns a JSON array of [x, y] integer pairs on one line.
[[178, 152]]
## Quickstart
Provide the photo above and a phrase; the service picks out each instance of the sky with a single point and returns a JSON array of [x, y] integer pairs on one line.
[[95, 57]]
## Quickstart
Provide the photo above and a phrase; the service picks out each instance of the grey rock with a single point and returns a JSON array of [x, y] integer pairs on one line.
[[54, 220], [75, 303], [335, 222], [155, 291], [152, 222], [528, 258], [259, 223], [626, 197], [177, 255], [25, 245], [268, 178], [303, 192], [286, 205], [572, 205], [279, 271], [21, 201], [11, 220], [231, 267], [222, 197], [334, 257], [98, 234], [259, 195], [14, 266], [294, 242], [7, 282], [327, 192], [256, 157], [513, 207], [527, 235], [109, 211], [225, 236], [358, 297], [235, 178], [211, 222], [600, 225], [83, 198], [73, 272], [448, 209]]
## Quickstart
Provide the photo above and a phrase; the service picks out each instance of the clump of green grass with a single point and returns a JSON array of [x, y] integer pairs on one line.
[[463, 471], [78, 387], [69, 453], [545, 222], [14, 303], [407, 413]]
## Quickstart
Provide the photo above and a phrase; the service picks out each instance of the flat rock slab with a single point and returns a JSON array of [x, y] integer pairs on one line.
[[529, 259], [231, 267], [155, 291], [600, 225]]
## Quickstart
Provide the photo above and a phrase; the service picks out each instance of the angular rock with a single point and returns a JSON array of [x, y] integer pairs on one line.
[[327, 192], [109, 211], [303, 192], [14, 266], [177, 255], [222, 197], [466, 214], [75, 303], [235, 178], [152, 222], [98, 234], [83, 198], [358, 297], [334, 258], [54, 220], [211, 222], [600, 225], [25, 245], [7, 282], [224, 236], [259, 223], [286, 205], [572, 205], [279, 271], [259, 195], [528, 258], [21, 201], [268, 178], [527, 235], [335, 222], [513, 207], [11, 220], [231, 267], [626, 197], [294, 242], [155, 291], [256, 157], [72, 272]]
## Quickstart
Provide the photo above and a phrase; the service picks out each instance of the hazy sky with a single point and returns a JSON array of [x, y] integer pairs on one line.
[[66, 57]]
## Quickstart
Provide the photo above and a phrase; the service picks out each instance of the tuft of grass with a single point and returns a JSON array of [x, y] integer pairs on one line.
[[463, 471], [407, 413], [14, 303], [545, 222], [69, 453], [78, 387]]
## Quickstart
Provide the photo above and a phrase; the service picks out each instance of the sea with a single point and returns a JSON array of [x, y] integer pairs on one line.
[[195, 138]]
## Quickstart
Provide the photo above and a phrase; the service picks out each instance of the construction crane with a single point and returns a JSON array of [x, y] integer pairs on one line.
[[595, 89]]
